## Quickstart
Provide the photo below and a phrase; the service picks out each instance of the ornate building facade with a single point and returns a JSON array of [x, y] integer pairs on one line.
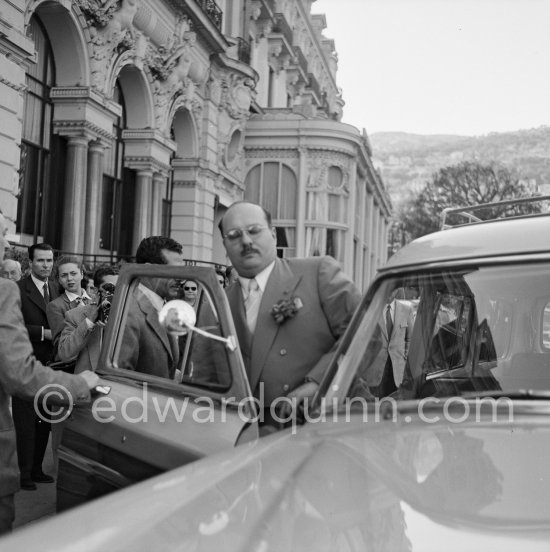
[[126, 118]]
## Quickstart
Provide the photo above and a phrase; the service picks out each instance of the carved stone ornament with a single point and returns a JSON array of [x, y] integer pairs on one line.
[[236, 96], [173, 60]]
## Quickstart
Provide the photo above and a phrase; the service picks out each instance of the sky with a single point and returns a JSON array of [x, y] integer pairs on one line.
[[467, 67]]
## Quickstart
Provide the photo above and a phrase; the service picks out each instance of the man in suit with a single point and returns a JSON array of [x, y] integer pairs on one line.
[[21, 375], [32, 432], [69, 277], [146, 346], [289, 313], [384, 372], [82, 333]]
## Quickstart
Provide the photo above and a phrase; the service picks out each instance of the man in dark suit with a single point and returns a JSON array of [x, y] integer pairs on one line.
[[21, 375], [289, 313], [146, 346], [32, 433]]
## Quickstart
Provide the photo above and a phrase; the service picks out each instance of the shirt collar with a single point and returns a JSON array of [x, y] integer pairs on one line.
[[261, 278], [38, 283], [73, 296]]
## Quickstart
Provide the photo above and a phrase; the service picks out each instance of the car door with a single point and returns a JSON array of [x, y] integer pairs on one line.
[[169, 399]]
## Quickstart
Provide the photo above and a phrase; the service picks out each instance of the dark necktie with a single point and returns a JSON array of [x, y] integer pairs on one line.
[[389, 321], [46, 293]]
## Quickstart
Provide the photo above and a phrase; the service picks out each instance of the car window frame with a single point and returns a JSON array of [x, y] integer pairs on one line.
[[130, 274]]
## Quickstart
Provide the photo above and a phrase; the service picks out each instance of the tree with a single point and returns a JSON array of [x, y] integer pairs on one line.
[[466, 184]]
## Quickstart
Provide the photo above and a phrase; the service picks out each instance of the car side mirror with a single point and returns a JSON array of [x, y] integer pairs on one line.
[[179, 318]]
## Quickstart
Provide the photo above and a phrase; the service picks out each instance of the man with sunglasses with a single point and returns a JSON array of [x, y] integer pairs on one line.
[[289, 313]]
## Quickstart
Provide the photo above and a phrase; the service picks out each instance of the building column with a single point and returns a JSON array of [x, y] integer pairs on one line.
[[350, 234], [159, 185], [142, 216], [93, 191], [75, 194], [301, 203]]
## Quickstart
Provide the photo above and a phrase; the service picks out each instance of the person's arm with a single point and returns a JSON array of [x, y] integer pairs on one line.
[[20, 373], [56, 319], [339, 298], [75, 335]]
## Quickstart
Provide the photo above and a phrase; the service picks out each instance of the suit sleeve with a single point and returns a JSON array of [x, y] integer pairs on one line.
[[56, 320], [74, 337], [339, 298], [20, 373]]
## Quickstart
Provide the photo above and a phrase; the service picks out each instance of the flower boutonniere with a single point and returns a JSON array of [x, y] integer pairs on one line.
[[286, 308]]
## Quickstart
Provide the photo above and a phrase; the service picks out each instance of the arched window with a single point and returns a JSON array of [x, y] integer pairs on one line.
[[273, 185], [35, 164]]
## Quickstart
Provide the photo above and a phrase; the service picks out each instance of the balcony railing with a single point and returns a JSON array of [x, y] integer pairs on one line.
[[212, 11], [91, 261]]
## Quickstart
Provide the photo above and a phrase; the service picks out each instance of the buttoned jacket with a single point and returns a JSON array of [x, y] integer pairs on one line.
[[33, 308], [396, 345], [280, 356]]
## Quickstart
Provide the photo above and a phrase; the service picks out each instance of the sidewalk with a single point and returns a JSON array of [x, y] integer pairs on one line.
[[34, 505]]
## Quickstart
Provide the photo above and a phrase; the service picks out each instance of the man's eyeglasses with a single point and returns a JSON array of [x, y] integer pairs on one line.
[[237, 233], [189, 288]]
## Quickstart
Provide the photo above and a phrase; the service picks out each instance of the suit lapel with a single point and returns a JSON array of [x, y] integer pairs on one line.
[[34, 295], [280, 285], [152, 319]]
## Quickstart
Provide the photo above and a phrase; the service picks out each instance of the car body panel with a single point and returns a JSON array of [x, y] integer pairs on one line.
[[374, 485], [147, 425], [475, 241]]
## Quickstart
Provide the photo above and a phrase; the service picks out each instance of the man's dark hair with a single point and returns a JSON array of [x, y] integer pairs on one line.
[[102, 271], [39, 246], [267, 214], [150, 249]]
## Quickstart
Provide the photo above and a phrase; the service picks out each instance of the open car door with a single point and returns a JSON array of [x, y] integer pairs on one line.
[[168, 399]]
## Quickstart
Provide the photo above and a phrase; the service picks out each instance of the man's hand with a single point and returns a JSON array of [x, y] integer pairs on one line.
[[91, 378], [47, 334], [296, 400]]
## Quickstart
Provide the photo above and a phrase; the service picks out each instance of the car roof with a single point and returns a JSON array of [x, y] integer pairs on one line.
[[525, 236]]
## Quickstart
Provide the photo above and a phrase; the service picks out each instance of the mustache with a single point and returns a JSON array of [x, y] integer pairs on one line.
[[248, 249]]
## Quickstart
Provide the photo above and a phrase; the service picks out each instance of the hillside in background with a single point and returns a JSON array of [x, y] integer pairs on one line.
[[406, 161]]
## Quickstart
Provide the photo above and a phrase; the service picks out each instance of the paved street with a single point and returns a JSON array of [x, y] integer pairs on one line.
[[35, 505]]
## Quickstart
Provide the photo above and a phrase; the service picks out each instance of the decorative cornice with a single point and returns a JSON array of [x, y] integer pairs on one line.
[[83, 128], [145, 162]]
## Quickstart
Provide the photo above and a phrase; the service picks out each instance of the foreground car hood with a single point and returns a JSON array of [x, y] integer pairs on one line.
[[384, 486]]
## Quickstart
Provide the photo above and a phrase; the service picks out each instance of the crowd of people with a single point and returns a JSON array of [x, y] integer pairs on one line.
[[289, 315]]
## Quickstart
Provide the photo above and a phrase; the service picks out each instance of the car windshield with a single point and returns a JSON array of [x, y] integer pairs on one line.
[[453, 331]]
